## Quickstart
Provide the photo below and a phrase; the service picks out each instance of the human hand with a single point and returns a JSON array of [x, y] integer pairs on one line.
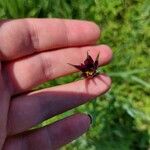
[[33, 51]]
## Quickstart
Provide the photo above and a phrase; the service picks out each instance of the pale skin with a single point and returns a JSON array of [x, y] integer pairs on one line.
[[33, 51]]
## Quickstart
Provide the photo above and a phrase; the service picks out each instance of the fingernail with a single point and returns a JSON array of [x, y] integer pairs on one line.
[[91, 118]]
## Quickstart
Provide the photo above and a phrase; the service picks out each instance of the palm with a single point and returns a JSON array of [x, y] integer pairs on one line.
[[4, 106], [28, 59]]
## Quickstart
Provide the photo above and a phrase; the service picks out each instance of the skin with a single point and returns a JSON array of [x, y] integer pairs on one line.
[[33, 51]]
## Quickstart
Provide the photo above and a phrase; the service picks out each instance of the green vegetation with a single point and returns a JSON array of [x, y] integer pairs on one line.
[[122, 116]]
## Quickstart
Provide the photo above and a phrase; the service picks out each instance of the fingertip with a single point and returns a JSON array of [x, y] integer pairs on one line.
[[97, 85], [95, 29], [106, 79], [88, 32], [107, 53], [85, 120], [104, 51]]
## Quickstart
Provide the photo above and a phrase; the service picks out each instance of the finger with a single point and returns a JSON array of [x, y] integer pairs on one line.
[[28, 110], [51, 137], [25, 36], [29, 72]]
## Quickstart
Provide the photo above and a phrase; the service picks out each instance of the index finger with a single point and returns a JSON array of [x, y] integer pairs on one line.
[[23, 37]]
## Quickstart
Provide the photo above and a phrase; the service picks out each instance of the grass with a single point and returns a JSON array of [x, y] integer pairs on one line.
[[122, 116]]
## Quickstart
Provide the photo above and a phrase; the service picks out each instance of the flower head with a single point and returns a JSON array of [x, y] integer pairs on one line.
[[89, 67]]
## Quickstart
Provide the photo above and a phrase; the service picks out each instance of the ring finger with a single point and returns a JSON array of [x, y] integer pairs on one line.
[[30, 109]]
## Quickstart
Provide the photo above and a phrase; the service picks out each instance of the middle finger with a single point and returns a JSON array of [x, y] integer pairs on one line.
[[26, 73]]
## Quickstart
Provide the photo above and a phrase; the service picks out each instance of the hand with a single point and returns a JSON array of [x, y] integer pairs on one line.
[[33, 51]]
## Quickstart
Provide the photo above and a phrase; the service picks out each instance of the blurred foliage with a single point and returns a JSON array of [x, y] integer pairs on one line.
[[122, 116]]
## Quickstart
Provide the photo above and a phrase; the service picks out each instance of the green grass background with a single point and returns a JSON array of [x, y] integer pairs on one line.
[[122, 116]]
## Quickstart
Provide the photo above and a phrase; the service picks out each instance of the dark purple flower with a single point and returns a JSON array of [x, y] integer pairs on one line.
[[89, 67]]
